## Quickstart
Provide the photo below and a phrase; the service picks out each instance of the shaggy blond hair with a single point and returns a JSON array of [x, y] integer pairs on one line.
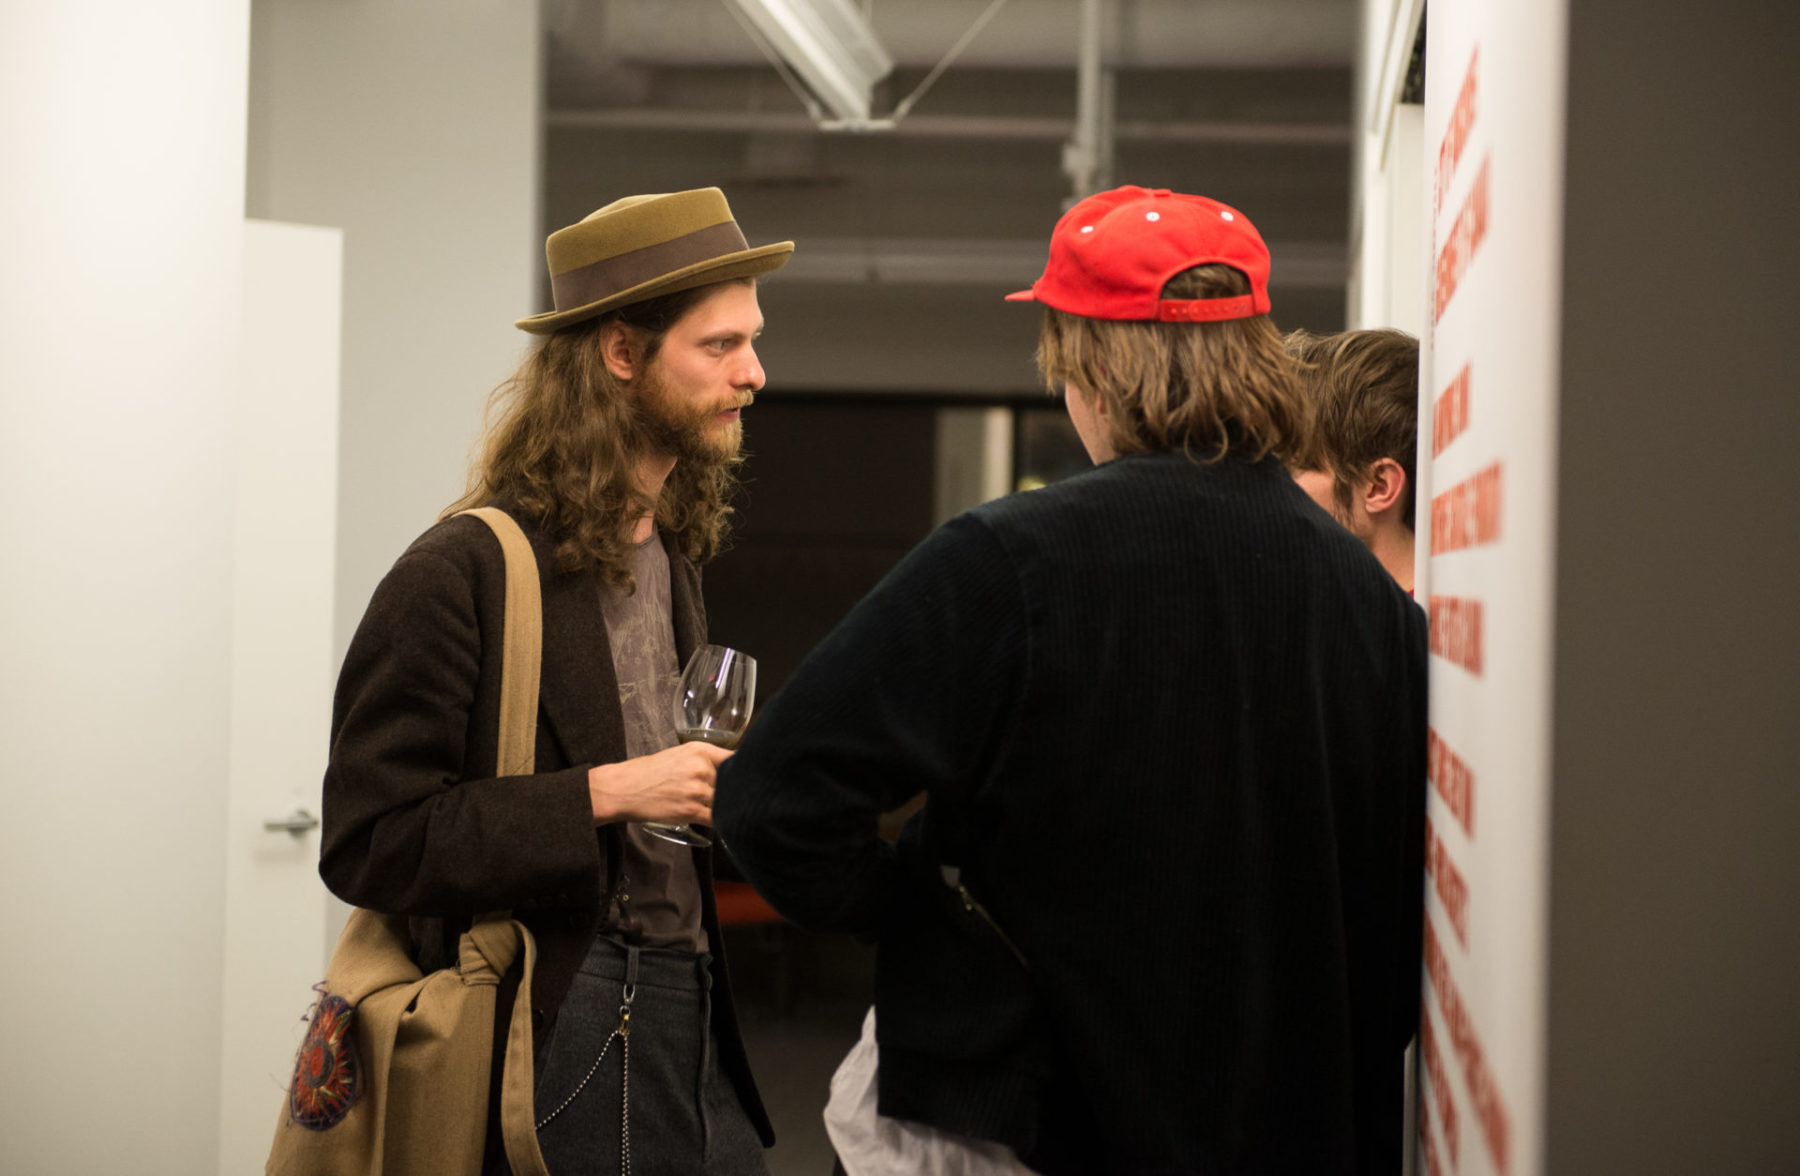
[[1217, 388], [1363, 387]]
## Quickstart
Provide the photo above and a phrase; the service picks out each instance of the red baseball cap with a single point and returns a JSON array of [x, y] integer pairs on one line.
[[1111, 254]]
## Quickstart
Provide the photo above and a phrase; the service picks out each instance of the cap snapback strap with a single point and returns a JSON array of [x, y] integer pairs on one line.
[[1206, 310]]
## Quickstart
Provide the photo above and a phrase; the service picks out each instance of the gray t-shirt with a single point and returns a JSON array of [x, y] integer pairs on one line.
[[658, 901]]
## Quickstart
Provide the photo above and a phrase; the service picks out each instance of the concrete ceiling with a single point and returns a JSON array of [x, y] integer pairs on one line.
[[1146, 34], [1248, 101]]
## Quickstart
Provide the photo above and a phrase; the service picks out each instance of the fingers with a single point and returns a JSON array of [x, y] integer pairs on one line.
[[675, 784], [693, 805], [714, 756], [698, 772]]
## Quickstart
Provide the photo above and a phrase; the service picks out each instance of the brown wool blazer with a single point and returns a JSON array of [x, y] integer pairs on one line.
[[414, 821]]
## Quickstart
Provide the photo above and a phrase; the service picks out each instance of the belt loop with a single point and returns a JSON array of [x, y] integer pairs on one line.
[[631, 971]]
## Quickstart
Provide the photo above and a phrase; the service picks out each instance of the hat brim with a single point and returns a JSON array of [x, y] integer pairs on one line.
[[1022, 296], [745, 263]]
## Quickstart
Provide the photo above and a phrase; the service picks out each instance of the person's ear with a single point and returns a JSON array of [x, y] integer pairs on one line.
[[1385, 488], [619, 350]]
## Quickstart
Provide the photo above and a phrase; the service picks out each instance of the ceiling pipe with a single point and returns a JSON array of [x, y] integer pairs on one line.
[[827, 43], [1087, 150], [956, 126]]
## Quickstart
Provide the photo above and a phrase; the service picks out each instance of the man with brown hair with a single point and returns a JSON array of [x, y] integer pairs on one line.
[[1357, 463], [614, 449], [1160, 911]]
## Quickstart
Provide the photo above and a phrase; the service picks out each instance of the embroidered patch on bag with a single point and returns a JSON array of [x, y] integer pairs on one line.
[[325, 1074]]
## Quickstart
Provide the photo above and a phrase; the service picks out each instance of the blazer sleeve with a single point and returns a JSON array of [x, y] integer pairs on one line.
[[409, 826], [914, 691]]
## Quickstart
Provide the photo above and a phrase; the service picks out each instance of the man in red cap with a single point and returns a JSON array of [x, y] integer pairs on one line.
[[1160, 911]]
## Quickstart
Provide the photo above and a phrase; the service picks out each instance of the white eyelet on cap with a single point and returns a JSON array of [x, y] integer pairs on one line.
[[1087, 228], [1226, 216], [1153, 216]]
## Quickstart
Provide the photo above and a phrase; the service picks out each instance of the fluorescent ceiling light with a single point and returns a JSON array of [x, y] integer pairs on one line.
[[829, 45]]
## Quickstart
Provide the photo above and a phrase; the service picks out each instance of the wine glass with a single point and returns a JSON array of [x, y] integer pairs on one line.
[[712, 705]]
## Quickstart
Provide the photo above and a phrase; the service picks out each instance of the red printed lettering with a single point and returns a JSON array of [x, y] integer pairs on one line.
[[1467, 514], [1434, 1163], [1484, 1092], [1441, 1098], [1450, 413], [1452, 780], [1447, 880], [1466, 236], [1456, 136], [1456, 631]]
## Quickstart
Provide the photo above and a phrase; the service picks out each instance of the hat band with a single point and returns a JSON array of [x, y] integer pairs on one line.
[[1207, 310], [613, 275]]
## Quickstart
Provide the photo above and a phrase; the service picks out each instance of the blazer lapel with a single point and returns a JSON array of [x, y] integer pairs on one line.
[[580, 691]]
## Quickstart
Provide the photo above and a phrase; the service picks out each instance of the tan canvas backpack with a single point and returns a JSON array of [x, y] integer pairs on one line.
[[393, 1075]]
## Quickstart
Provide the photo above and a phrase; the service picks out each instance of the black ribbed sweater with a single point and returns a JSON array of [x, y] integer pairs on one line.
[[1170, 718]]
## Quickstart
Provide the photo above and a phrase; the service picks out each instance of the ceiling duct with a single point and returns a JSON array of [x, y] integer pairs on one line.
[[827, 45], [1028, 34]]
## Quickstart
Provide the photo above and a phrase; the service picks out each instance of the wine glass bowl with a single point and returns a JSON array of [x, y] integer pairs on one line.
[[712, 705]]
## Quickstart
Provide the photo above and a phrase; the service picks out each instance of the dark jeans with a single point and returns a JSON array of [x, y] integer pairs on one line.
[[685, 1117]]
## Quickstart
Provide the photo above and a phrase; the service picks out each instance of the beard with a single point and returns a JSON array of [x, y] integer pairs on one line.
[[686, 430]]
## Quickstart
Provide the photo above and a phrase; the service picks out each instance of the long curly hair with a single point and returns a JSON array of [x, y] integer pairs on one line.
[[560, 448]]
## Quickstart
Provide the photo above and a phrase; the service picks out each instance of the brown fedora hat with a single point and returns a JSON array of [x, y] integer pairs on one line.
[[643, 246]]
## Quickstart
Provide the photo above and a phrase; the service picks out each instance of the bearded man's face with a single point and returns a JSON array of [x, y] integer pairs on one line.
[[705, 373]]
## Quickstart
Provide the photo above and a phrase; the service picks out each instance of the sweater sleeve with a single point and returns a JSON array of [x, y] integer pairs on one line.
[[409, 828], [914, 691]]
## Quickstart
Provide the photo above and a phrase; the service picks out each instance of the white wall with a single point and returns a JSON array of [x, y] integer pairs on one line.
[[413, 126], [1625, 984], [1494, 113], [123, 203], [1388, 231], [282, 669]]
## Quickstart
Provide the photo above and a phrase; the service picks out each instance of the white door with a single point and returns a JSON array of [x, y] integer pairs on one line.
[[282, 670]]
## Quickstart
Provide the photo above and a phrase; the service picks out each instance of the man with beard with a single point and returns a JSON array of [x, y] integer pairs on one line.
[[614, 447], [1357, 463]]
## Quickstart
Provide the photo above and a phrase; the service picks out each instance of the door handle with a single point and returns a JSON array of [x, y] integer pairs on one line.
[[297, 822]]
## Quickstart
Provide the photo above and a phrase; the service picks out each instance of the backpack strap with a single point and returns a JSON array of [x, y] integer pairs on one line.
[[522, 636], [503, 939], [518, 1130]]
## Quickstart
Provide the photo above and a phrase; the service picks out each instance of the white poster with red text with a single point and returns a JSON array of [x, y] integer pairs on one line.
[[1486, 496]]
